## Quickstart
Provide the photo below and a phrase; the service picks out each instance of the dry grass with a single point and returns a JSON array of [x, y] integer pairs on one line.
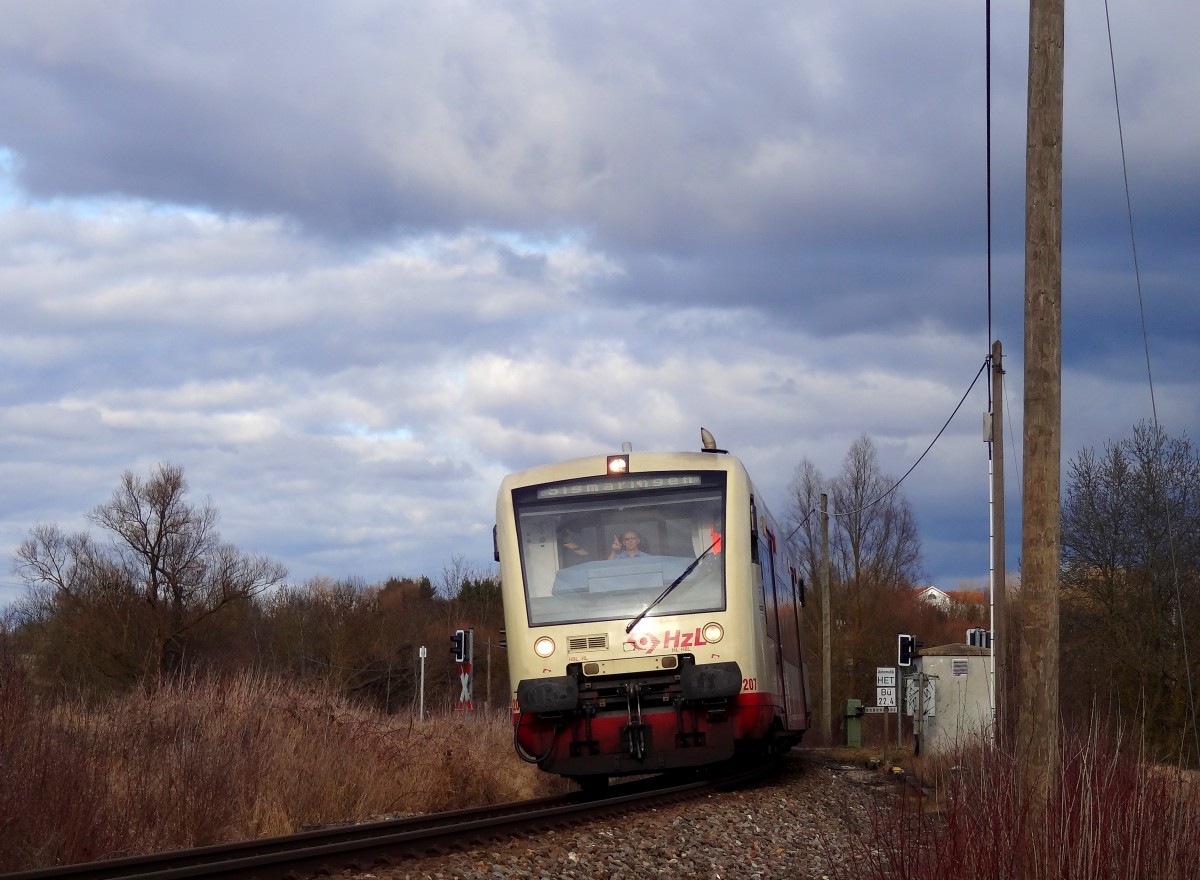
[[1114, 816], [182, 764], [187, 764]]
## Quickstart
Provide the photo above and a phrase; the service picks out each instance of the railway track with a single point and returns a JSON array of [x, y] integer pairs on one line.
[[361, 847]]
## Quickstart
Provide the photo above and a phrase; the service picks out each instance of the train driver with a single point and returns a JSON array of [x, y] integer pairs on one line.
[[628, 547]]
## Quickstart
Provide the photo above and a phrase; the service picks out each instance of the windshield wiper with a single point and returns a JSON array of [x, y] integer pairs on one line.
[[673, 585]]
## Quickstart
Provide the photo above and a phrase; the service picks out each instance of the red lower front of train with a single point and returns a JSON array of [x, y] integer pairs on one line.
[[619, 725]]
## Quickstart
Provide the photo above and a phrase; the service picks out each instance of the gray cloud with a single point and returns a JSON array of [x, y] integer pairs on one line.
[[349, 264]]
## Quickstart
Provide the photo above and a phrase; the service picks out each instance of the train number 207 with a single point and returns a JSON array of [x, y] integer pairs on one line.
[[749, 684]]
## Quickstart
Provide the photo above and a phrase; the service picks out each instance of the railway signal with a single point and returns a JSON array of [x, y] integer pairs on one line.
[[906, 649], [463, 649]]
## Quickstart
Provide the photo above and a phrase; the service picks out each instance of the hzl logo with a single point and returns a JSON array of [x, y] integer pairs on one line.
[[673, 640]]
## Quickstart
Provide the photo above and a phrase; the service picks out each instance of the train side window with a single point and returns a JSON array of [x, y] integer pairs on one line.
[[772, 592], [754, 533], [797, 585]]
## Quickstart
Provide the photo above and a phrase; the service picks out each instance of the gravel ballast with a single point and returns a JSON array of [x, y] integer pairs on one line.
[[808, 822]]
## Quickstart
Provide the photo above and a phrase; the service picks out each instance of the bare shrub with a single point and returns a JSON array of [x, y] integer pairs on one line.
[[1115, 816], [49, 781], [187, 763]]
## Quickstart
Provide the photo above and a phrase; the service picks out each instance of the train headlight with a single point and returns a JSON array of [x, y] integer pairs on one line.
[[713, 632], [544, 646]]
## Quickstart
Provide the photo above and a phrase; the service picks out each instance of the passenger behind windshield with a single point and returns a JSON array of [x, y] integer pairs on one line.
[[629, 547]]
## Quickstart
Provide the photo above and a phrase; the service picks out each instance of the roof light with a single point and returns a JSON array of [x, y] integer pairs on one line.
[[618, 464]]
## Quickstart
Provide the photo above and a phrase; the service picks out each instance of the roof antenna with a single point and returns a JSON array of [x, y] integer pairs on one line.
[[708, 443]]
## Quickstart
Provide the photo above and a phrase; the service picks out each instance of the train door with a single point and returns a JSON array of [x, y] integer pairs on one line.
[[798, 713], [784, 599], [771, 592]]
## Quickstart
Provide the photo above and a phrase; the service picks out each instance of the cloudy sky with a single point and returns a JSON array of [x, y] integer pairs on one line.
[[349, 263]]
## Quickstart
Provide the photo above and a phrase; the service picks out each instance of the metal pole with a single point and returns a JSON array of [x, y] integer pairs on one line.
[[826, 627], [470, 669], [919, 721], [422, 653], [886, 731], [999, 574], [899, 708]]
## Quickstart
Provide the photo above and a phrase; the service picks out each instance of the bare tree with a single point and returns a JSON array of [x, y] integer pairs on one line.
[[874, 539], [1131, 561], [455, 573], [162, 571], [876, 544], [804, 515], [875, 557]]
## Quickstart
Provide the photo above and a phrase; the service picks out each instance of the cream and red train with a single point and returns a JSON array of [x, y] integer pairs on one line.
[[686, 654]]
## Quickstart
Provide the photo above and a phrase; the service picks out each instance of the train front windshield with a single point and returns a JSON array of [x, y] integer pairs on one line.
[[660, 523]]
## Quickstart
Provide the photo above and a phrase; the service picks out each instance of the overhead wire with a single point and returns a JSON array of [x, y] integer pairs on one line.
[[988, 359], [987, 41], [920, 458]]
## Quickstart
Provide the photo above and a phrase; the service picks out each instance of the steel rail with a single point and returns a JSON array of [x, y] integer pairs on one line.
[[385, 842]]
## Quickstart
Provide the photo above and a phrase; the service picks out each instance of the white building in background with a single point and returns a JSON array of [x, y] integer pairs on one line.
[[934, 596]]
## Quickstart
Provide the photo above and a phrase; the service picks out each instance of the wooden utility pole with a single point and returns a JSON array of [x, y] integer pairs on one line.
[[1037, 722], [998, 589], [826, 628]]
